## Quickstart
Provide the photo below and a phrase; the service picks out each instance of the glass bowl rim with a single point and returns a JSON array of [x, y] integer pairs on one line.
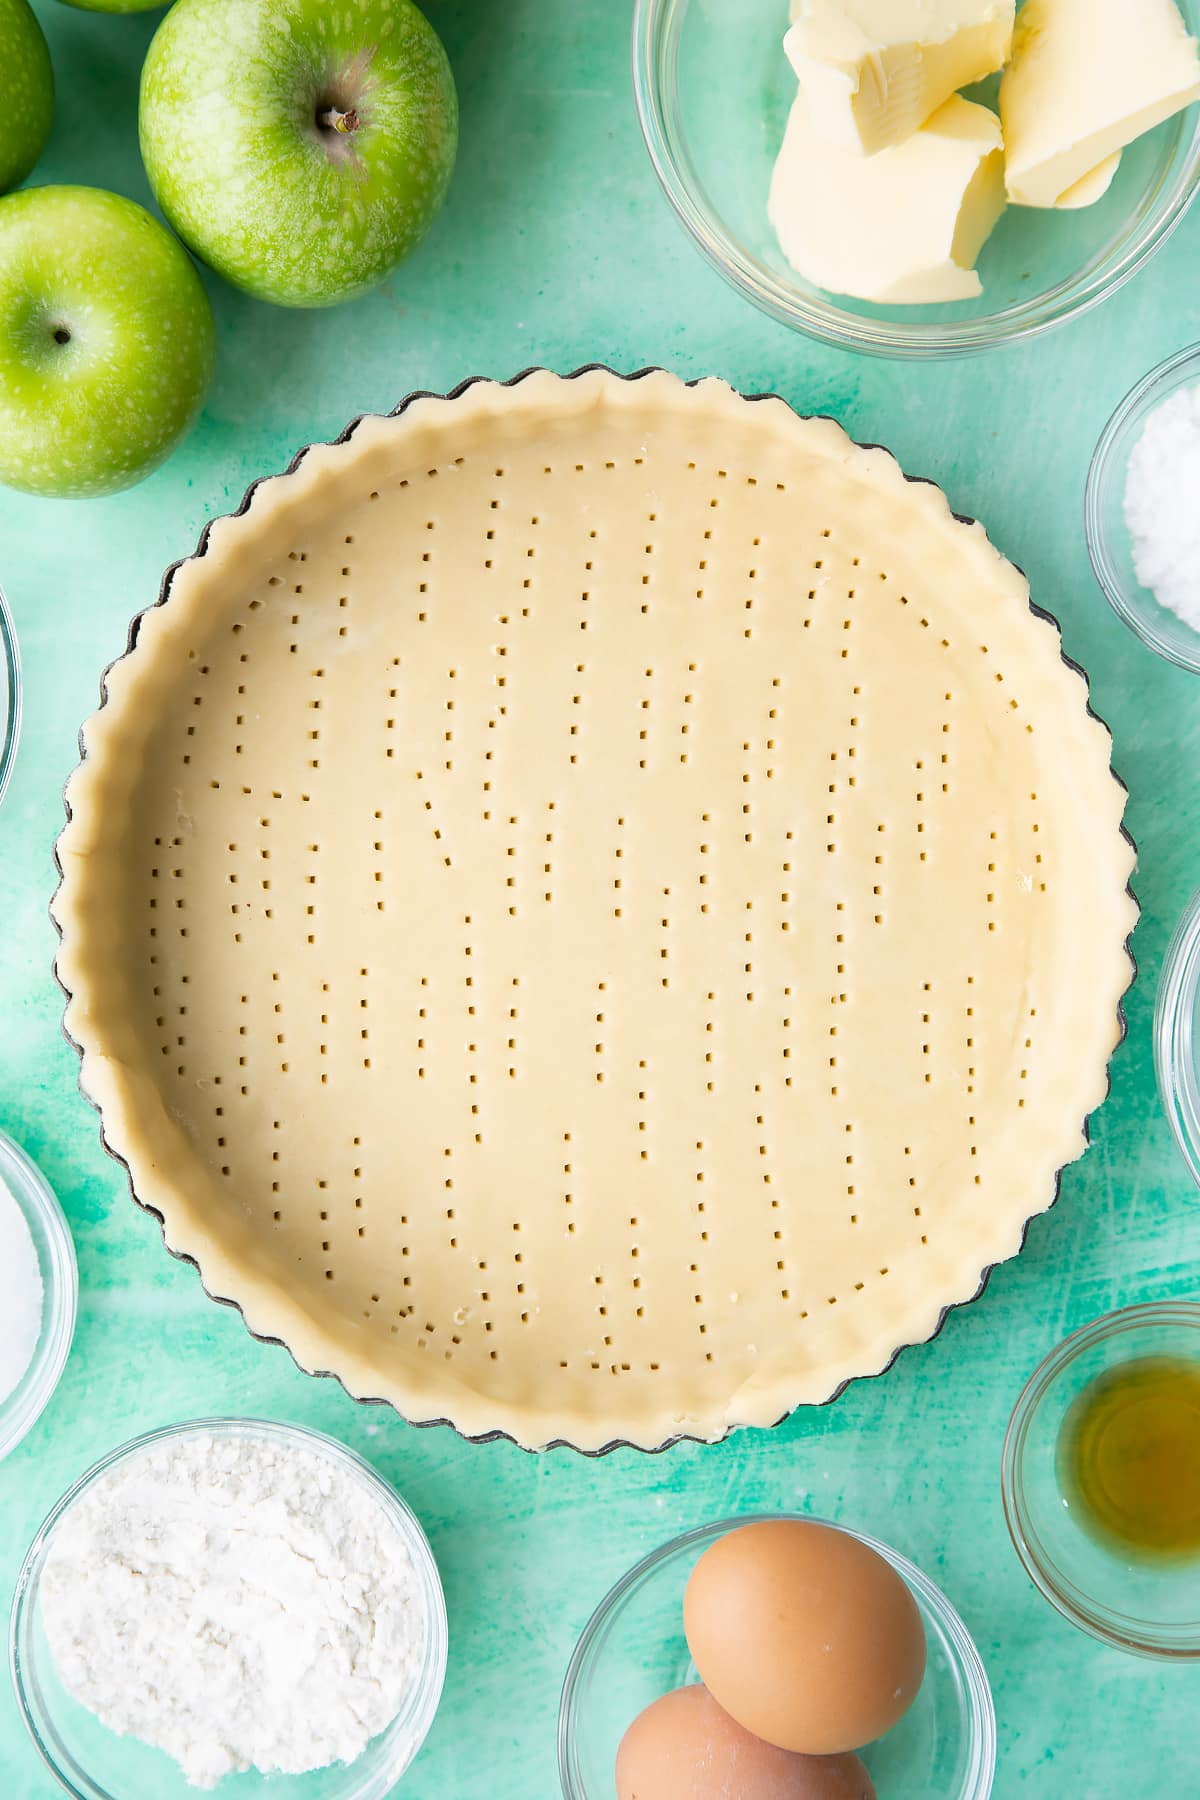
[[375, 1784], [822, 318], [980, 1707], [1174, 1008], [10, 674], [1112, 1628], [38, 1203], [1100, 471]]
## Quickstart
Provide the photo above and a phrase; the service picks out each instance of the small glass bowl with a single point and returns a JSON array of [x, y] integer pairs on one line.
[[1149, 1608], [1176, 1015], [713, 89], [93, 1763], [60, 1283], [1108, 540], [633, 1650], [10, 694]]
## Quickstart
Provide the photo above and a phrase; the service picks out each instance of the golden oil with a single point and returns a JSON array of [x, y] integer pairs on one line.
[[1129, 1456]]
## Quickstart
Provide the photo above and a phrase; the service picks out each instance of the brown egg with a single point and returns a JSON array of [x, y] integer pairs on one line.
[[808, 1638], [685, 1748]]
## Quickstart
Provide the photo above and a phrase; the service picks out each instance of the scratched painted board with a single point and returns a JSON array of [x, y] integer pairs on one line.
[[556, 247]]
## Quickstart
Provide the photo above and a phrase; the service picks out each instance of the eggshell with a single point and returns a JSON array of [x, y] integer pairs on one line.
[[685, 1747], [808, 1638]]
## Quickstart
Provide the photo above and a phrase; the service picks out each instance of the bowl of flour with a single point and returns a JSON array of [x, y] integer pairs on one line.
[[229, 1605], [1142, 510], [39, 1290]]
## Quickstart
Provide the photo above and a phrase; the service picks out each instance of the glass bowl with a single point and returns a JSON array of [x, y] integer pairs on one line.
[[1104, 515], [60, 1283], [1175, 1038], [93, 1763], [1149, 1608], [633, 1650], [713, 89], [10, 694]]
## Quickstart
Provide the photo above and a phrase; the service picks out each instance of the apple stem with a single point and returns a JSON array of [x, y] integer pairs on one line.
[[332, 118]]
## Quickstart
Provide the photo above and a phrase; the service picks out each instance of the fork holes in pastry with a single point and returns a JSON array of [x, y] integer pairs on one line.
[[457, 1043]]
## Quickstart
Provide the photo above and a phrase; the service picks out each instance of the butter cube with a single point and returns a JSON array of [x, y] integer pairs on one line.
[[873, 71], [1086, 78], [903, 228]]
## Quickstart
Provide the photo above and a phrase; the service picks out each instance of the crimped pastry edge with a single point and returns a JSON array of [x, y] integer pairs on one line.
[[590, 384]]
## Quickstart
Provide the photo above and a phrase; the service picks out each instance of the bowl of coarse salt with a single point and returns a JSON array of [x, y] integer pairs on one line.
[[39, 1291], [1142, 512], [229, 1603]]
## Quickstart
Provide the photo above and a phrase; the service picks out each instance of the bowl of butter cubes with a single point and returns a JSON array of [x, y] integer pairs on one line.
[[923, 177]]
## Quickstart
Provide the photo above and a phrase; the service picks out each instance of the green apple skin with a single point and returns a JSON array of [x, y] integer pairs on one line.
[[26, 92], [106, 341], [300, 147]]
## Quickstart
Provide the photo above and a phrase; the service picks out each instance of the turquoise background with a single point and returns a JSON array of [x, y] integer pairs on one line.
[[557, 247]]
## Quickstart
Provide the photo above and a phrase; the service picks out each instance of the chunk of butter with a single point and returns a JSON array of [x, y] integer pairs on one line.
[[904, 227], [1093, 187], [873, 71], [1086, 78]]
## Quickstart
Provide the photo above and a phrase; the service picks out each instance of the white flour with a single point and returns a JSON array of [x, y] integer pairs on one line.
[[1162, 504], [21, 1294], [239, 1603]]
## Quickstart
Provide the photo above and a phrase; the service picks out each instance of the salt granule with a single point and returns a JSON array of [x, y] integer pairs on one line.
[[21, 1294], [1162, 504]]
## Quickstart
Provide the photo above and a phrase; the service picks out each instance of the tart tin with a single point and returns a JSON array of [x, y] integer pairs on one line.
[[60, 1281], [10, 694], [494, 1435], [1175, 1038], [1148, 1608], [1108, 538], [633, 1650], [713, 89], [92, 1763]]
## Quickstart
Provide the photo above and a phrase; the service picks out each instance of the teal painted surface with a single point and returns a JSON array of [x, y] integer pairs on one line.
[[557, 247]]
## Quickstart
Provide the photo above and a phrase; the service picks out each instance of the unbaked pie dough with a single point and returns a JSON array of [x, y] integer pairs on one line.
[[595, 909]]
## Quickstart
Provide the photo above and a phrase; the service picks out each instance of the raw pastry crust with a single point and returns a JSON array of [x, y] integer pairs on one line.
[[595, 909]]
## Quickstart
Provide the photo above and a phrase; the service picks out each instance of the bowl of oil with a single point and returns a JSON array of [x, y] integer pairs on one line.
[[1101, 1479]]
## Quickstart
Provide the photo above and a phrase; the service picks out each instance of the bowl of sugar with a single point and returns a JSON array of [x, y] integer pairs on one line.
[[1141, 517], [39, 1290]]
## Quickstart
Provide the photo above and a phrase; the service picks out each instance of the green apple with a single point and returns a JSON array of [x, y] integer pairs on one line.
[[26, 92], [299, 147], [106, 341]]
